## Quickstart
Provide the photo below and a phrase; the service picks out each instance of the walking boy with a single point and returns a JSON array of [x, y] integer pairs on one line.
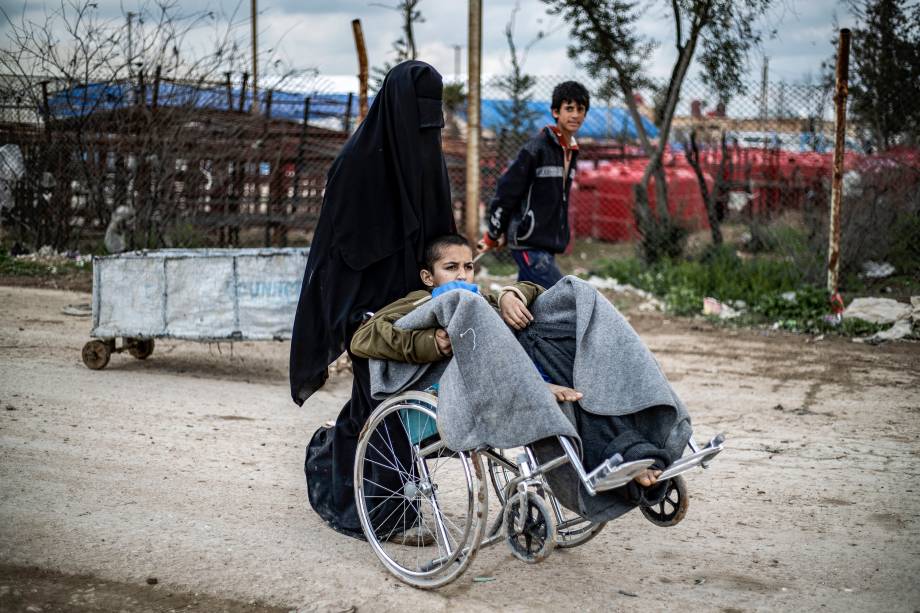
[[530, 209]]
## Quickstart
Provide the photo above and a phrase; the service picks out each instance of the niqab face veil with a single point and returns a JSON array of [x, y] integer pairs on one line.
[[387, 193]]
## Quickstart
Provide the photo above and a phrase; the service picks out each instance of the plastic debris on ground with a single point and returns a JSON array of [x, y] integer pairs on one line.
[[609, 283], [711, 306], [885, 311], [47, 255], [877, 310], [877, 270], [78, 310], [898, 331]]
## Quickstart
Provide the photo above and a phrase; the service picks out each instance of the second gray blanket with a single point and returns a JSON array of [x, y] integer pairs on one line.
[[490, 392]]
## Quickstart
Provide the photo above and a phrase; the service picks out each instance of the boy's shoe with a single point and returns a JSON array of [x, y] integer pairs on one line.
[[416, 536]]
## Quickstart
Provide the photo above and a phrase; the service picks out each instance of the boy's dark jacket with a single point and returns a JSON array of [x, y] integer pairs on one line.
[[531, 202]]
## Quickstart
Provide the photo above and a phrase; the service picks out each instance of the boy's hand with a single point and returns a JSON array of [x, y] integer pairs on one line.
[[487, 243], [443, 342], [514, 311]]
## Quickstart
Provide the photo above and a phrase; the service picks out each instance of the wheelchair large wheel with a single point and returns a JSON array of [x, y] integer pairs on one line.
[[423, 515], [672, 508], [568, 534]]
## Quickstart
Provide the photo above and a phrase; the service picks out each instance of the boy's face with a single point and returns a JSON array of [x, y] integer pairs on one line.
[[569, 116], [454, 264]]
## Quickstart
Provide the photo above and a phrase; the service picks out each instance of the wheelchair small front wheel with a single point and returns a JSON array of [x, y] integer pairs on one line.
[[530, 529], [572, 535], [672, 507]]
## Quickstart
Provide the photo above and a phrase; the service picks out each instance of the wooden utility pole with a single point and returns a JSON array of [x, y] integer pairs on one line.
[[130, 16], [840, 128], [474, 52], [255, 61], [362, 68]]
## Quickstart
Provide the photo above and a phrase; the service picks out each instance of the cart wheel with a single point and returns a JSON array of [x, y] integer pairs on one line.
[[538, 538], [672, 508], [141, 348], [96, 354]]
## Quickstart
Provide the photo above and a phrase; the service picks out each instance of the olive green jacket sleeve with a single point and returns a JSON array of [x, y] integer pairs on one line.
[[379, 338], [528, 289]]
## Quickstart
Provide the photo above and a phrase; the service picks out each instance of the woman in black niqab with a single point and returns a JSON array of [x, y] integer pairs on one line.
[[387, 194]]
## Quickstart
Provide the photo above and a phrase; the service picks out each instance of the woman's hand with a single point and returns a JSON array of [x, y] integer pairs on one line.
[[443, 342], [514, 311]]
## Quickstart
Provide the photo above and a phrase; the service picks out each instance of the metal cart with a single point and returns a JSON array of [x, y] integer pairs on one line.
[[192, 294]]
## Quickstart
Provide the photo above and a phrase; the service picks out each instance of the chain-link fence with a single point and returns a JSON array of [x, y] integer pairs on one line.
[[164, 162], [153, 162], [757, 168]]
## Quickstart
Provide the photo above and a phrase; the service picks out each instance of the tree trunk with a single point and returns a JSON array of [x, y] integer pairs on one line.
[[693, 158]]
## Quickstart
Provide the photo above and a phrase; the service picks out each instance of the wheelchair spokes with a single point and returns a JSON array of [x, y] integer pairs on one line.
[[672, 507], [420, 513], [571, 529]]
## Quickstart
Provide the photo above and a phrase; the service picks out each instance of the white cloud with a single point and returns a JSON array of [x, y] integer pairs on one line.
[[317, 34]]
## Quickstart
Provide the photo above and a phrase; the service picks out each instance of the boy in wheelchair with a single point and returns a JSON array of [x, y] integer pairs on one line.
[[449, 266], [589, 452]]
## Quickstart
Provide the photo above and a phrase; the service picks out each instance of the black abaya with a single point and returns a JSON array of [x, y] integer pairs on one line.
[[387, 194]]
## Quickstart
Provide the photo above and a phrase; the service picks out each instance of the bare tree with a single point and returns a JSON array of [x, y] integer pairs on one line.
[[517, 116], [404, 47], [119, 117]]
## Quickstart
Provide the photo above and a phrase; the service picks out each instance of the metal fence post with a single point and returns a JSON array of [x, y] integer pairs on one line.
[[229, 89], [840, 125], [243, 91]]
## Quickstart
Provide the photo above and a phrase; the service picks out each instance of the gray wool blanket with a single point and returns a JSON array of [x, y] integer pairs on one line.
[[490, 393]]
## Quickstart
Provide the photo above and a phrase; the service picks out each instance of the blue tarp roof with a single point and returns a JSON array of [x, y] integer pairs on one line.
[[602, 122], [85, 100]]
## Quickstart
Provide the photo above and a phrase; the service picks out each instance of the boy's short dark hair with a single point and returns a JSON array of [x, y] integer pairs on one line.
[[433, 248], [571, 91]]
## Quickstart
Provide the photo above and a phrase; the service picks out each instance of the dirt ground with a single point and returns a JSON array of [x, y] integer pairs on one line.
[[186, 468]]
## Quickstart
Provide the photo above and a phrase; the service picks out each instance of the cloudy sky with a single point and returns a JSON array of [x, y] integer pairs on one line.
[[317, 33]]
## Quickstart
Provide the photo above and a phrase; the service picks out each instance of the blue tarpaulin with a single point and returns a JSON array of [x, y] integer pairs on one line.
[[601, 123], [85, 100]]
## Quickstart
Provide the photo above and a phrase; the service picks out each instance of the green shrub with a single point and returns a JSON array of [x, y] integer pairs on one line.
[[22, 267], [771, 290], [808, 302], [719, 273]]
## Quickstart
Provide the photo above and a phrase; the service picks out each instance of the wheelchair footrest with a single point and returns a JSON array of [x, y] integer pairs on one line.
[[614, 473], [693, 460]]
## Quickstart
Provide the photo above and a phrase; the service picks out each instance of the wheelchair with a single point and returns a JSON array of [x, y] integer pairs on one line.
[[424, 508]]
